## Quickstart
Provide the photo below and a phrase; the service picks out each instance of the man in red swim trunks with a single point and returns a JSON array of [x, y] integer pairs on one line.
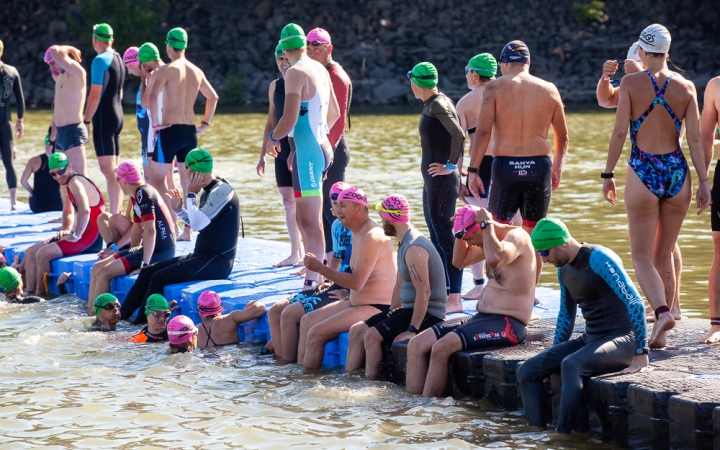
[[88, 202]]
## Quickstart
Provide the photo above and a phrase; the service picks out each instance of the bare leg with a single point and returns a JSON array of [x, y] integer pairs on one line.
[[418, 360], [68, 213], [309, 217], [675, 309], [310, 320], [288, 198], [356, 347], [159, 175], [184, 181], [289, 320], [113, 227], [108, 165], [13, 198], [713, 336], [373, 353], [275, 331], [442, 350], [76, 157], [42, 259], [30, 266], [103, 272]]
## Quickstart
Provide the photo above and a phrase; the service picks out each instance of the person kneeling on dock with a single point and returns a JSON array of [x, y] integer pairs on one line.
[[157, 312], [152, 226], [504, 308], [225, 326], [419, 298], [370, 280], [107, 313], [182, 335], [593, 278], [216, 215], [11, 284]]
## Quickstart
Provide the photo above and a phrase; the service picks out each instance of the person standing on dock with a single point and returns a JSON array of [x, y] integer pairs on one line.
[[310, 110], [10, 83], [615, 339]]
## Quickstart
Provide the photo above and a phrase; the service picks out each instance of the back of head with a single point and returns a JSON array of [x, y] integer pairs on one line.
[[394, 208], [148, 52], [424, 75], [9, 279], [130, 57], [129, 173], [655, 39], [515, 52], [103, 32], [199, 160], [484, 65], [177, 38], [181, 329], [292, 37], [209, 304]]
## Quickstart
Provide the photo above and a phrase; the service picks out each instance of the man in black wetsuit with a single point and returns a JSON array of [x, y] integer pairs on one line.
[[442, 139], [11, 284], [215, 214], [593, 278], [10, 83], [104, 109]]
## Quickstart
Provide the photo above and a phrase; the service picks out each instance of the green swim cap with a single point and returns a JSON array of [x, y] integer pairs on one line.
[[57, 161], [199, 160], [549, 233], [279, 51], [292, 37], [103, 32], [484, 64], [424, 75], [9, 279], [148, 52], [177, 38], [156, 302], [102, 301]]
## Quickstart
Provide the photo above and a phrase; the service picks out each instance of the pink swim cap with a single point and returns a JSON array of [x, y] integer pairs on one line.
[[130, 57], [353, 194], [465, 220], [395, 208], [209, 304], [180, 330], [2, 258], [48, 55], [128, 172], [337, 188], [319, 35]]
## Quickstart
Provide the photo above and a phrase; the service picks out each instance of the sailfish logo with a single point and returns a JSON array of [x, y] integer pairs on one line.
[[5, 88], [303, 110]]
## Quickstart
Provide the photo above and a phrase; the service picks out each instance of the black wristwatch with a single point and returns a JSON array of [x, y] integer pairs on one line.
[[473, 169], [484, 224], [207, 124], [87, 122], [642, 351], [412, 329], [604, 175]]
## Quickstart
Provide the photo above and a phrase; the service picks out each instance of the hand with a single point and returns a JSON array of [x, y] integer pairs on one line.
[[632, 66], [464, 192], [312, 263], [196, 182], [104, 253], [261, 168], [70, 237], [289, 161], [88, 128], [173, 305], [19, 129], [639, 364], [74, 54], [136, 271], [404, 336], [483, 214], [273, 148], [48, 149], [201, 129], [703, 197], [609, 69], [475, 185], [556, 177], [175, 200], [438, 169], [609, 190], [63, 278], [340, 294]]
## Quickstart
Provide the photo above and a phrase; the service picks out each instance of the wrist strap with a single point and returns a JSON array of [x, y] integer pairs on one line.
[[479, 282], [660, 310], [473, 169], [114, 246], [604, 175], [450, 166], [310, 282]]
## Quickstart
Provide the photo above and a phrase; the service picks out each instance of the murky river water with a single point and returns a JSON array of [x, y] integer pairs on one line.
[[61, 385]]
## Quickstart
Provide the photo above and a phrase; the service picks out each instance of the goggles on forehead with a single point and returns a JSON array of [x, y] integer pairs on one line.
[[380, 207]]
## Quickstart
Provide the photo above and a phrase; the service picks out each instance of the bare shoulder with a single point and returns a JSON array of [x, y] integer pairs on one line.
[[684, 82], [518, 237]]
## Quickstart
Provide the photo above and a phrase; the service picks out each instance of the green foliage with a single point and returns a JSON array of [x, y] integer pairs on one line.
[[592, 11], [233, 94], [134, 22]]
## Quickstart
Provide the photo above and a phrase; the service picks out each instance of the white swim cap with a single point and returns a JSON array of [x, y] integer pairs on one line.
[[633, 53], [655, 39]]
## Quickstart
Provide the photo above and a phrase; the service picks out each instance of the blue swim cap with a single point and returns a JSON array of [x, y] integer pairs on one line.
[[515, 52]]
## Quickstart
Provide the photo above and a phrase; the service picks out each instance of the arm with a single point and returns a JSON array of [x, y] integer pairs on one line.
[[211, 102], [294, 82], [365, 260], [246, 315], [334, 113], [134, 236], [703, 196], [483, 133], [709, 121], [99, 66], [342, 91], [395, 302], [217, 198], [20, 104], [334, 263], [559, 127], [148, 240], [60, 54], [155, 86], [465, 255], [607, 95], [444, 114], [566, 315], [145, 79], [500, 253], [617, 140], [269, 125], [417, 259], [30, 168], [83, 208]]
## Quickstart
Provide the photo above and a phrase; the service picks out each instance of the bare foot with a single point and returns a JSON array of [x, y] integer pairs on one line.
[[650, 318], [300, 263], [270, 346], [300, 273], [58, 220], [13, 207], [454, 304], [474, 293], [186, 234], [534, 317], [289, 261], [713, 337], [663, 324]]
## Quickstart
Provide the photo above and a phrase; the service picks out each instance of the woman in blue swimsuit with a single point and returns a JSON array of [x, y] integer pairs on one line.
[[658, 189]]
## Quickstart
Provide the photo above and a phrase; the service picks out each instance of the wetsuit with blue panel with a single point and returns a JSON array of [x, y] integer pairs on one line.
[[615, 331], [108, 71], [143, 124]]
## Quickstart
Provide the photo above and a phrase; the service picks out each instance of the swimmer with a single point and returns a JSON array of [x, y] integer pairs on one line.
[[88, 202], [151, 236], [615, 339], [441, 139], [132, 64], [213, 209], [656, 199], [104, 109], [44, 194], [180, 81], [182, 335], [419, 297], [310, 111], [283, 174], [157, 312], [503, 311], [12, 286], [11, 84], [369, 280], [107, 312], [217, 329]]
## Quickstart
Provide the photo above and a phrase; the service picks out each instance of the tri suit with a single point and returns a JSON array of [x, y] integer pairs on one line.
[[90, 241], [108, 72]]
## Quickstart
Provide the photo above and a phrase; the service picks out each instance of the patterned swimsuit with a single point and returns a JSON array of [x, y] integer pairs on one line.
[[665, 174]]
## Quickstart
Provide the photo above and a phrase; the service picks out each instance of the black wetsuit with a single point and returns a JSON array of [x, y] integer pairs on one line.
[[212, 258], [9, 83], [283, 176], [23, 299], [615, 332], [442, 140], [108, 71], [46, 190]]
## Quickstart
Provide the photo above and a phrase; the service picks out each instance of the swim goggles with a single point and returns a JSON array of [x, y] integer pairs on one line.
[[420, 77], [317, 43], [193, 163], [111, 306], [380, 207], [59, 173], [469, 230], [544, 253], [159, 313]]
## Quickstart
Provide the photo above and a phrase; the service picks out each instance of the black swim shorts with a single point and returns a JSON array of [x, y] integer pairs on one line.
[[175, 141], [315, 299], [484, 330], [520, 183], [392, 323], [70, 136]]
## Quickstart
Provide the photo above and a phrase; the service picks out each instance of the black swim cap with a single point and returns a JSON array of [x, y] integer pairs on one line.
[[515, 52]]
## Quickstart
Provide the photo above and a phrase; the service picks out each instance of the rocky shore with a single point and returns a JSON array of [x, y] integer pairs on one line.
[[378, 41]]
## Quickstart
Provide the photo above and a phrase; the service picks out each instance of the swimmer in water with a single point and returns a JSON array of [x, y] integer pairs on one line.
[[107, 312], [182, 335], [12, 286], [157, 312], [218, 329]]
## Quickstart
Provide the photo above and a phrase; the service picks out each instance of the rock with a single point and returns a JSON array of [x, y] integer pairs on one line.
[[387, 91]]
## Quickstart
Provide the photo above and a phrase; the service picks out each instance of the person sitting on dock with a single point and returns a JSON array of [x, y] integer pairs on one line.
[[152, 237], [107, 313], [285, 315], [215, 214], [504, 309], [225, 326], [370, 280], [44, 194], [182, 335], [157, 312], [419, 298], [615, 338], [89, 204], [12, 286]]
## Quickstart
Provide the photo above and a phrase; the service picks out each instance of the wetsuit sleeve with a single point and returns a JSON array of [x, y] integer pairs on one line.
[[145, 205], [341, 86], [608, 266], [19, 97], [219, 196], [445, 113], [100, 65], [183, 215], [566, 316], [336, 240]]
